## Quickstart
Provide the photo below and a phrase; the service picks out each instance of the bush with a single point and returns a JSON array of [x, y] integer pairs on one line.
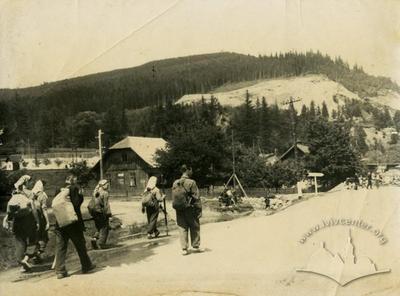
[[58, 162], [46, 161], [287, 173], [82, 172], [37, 162]]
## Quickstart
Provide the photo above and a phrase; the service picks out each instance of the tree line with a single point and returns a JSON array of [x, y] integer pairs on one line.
[[53, 105]]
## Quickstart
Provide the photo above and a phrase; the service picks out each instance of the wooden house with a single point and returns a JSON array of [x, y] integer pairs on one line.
[[129, 163]]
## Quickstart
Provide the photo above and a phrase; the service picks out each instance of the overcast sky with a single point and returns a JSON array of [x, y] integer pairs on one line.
[[51, 40]]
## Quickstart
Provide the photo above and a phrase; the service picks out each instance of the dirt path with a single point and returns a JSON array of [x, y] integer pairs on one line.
[[252, 256]]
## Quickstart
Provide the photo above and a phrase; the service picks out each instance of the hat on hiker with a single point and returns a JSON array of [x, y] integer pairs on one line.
[[151, 184]]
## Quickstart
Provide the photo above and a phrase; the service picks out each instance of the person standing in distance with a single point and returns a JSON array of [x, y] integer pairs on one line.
[[187, 203]]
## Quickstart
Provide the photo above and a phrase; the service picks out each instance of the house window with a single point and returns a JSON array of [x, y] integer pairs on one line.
[[121, 178], [132, 179], [124, 157]]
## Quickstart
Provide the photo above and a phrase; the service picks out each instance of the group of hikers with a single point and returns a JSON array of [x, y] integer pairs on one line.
[[28, 219], [367, 181]]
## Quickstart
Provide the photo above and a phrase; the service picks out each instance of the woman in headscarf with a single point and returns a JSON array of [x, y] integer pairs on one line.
[[22, 220], [151, 206], [101, 213], [40, 200]]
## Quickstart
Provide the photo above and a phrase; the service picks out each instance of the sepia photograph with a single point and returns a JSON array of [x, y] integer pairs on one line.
[[200, 147]]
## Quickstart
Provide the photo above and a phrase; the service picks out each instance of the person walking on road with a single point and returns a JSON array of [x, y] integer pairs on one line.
[[187, 203], [151, 206], [40, 200], [99, 208], [21, 219], [73, 232]]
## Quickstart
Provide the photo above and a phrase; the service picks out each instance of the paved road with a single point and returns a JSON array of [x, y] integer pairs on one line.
[[252, 256]]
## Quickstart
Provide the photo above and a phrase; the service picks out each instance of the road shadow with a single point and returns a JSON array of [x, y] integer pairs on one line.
[[136, 252], [206, 250]]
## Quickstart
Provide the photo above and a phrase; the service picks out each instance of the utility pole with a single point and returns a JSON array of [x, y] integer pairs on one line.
[[100, 133], [291, 102], [233, 161]]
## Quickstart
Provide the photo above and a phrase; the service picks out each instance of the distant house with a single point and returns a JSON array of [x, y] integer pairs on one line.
[[301, 149], [129, 163]]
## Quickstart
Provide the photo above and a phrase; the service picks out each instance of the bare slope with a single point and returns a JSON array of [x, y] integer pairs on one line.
[[317, 88]]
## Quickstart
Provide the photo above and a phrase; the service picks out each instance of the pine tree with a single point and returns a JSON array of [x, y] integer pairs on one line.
[[265, 126], [331, 152], [244, 122], [312, 112], [359, 140], [396, 120], [387, 118], [325, 113], [334, 114]]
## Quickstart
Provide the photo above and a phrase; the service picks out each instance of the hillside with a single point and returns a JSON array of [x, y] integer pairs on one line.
[[309, 88], [170, 79], [68, 113], [317, 88]]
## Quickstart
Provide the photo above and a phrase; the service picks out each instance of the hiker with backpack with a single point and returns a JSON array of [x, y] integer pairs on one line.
[[22, 221], [40, 200], [151, 199], [99, 209], [69, 226], [187, 204]]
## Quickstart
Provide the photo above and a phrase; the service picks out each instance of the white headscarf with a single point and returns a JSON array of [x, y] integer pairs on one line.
[[151, 184], [22, 181], [100, 185]]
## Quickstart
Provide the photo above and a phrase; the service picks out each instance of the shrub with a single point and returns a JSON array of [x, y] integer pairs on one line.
[[82, 172], [37, 162], [58, 162], [46, 161]]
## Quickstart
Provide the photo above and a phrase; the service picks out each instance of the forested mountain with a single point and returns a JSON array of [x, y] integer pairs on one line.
[[69, 112], [172, 78]]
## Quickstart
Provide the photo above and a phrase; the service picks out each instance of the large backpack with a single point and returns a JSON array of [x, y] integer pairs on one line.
[[19, 206], [149, 200], [63, 208], [95, 206], [181, 198]]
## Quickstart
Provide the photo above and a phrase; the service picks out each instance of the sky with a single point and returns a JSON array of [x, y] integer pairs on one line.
[[46, 40]]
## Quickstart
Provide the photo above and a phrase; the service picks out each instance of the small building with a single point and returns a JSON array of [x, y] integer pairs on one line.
[[129, 163], [301, 150]]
